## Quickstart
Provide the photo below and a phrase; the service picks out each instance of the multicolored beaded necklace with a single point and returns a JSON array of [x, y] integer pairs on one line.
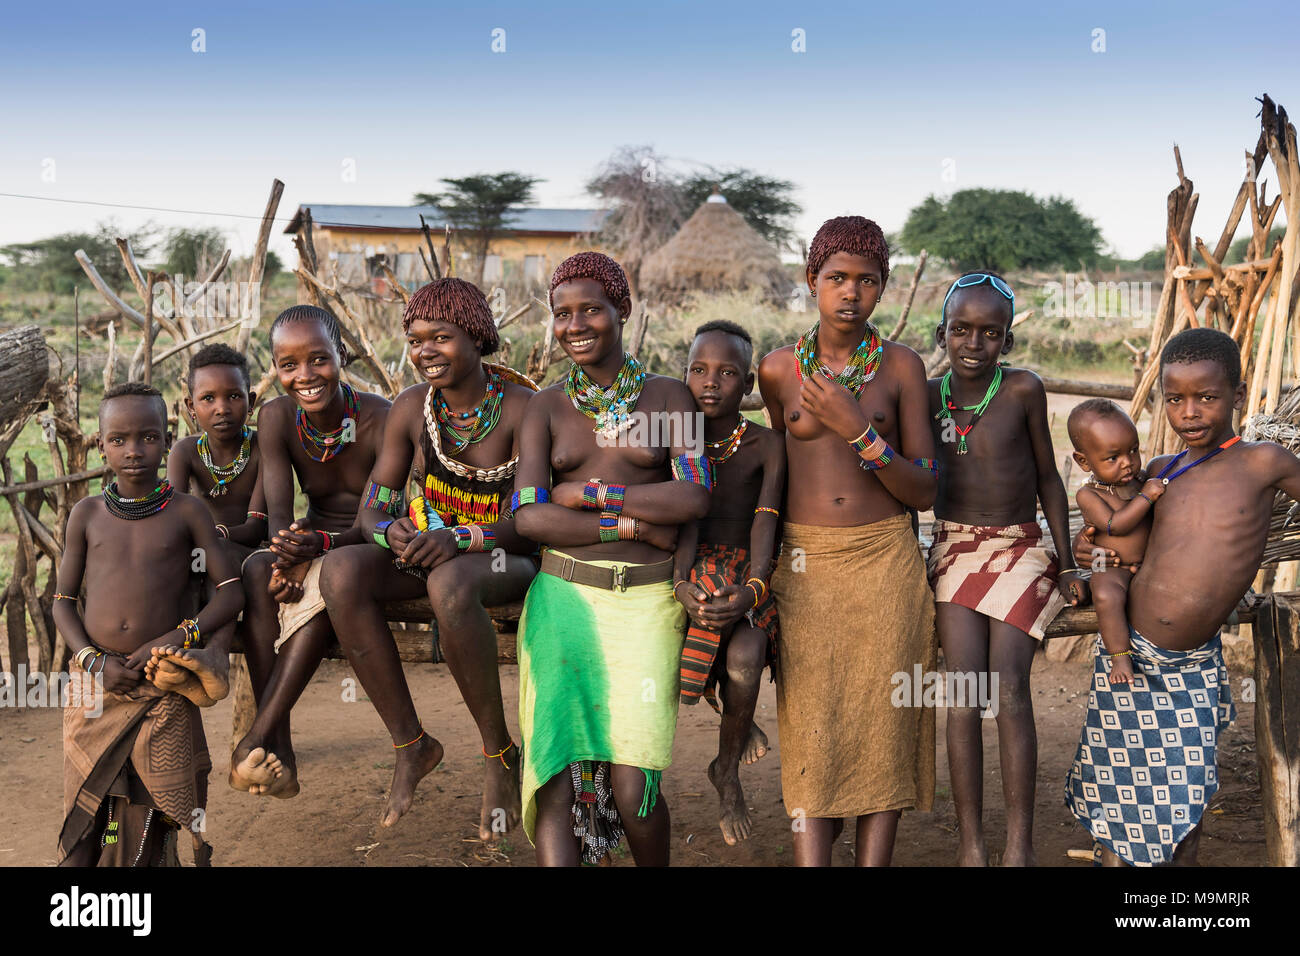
[[485, 415], [1178, 457], [949, 409], [611, 408], [133, 509], [224, 474], [729, 444], [327, 444], [862, 365]]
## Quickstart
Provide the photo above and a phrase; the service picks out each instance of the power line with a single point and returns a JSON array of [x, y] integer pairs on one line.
[[119, 205]]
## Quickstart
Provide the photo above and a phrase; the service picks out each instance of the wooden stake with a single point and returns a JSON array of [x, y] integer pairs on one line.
[[148, 327]]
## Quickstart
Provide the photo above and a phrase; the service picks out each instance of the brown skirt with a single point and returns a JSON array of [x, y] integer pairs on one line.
[[856, 612]]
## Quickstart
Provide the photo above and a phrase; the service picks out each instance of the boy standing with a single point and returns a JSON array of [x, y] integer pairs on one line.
[[995, 586], [723, 562], [133, 773], [1146, 767]]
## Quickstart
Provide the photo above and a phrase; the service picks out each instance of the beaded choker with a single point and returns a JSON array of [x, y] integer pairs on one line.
[[324, 445], [610, 408], [861, 368], [720, 451], [948, 409], [224, 474], [485, 415], [133, 509]]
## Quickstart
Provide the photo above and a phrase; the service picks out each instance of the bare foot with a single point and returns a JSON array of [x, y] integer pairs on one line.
[[256, 769], [210, 667], [502, 805], [756, 747], [168, 677], [1016, 856], [734, 821], [972, 852], [413, 763]]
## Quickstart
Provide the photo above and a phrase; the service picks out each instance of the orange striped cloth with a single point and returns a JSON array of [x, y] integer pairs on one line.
[[1002, 573], [717, 565]]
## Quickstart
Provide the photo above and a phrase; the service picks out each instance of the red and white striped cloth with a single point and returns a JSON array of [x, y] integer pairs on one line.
[[1002, 573]]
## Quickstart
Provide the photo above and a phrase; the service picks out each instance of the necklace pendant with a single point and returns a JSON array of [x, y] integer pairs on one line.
[[961, 449]]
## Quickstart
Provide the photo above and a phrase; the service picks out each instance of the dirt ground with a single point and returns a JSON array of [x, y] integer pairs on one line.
[[346, 764]]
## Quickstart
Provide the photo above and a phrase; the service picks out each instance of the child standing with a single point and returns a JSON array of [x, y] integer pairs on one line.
[[850, 587], [1146, 767], [995, 585], [723, 561], [132, 773], [1116, 498]]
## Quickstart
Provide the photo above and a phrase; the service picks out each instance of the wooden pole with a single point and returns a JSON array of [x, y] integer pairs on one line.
[[1277, 724], [148, 327], [911, 294]]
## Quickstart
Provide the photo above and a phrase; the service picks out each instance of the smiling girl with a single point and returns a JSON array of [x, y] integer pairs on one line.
[[327, 434]]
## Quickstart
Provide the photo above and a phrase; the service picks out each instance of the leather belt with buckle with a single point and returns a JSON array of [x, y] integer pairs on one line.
[[617, 578]]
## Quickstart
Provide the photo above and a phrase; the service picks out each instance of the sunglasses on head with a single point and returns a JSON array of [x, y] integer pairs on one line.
[[979, 278]]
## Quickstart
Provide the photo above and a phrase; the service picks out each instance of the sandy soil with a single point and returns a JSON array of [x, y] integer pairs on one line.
[[346, 764]]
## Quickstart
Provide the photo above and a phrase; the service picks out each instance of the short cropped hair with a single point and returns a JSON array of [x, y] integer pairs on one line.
[[136, 389], [856, 235], [218, 354], [1204, 345], [1085, 410], [728, 327], [596, 266], [312, 313], [954, 289], [457, 303]]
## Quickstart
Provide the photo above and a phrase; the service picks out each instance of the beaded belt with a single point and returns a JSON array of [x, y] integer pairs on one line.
[[620, 578]]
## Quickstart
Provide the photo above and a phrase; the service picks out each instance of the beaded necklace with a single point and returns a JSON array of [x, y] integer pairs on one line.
[[862, 365], [133, 509], [324, 445], [485, 414], [945, 400], [495, 473], [224, 474], [610, 407], [728, 444], [1178, 457], [1110, 489]]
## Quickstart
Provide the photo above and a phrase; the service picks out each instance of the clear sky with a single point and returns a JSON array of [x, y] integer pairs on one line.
[[887, 103]]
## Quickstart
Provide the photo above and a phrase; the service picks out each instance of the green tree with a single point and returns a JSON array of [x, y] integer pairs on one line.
[[48, 265], [193, 252], [1237, 251], [1003, 230], [480, 205], [765, 202]]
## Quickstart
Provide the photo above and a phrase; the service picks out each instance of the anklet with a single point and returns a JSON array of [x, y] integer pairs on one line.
[[771, 511], [1129, 653], [500, 756], [409, 742]]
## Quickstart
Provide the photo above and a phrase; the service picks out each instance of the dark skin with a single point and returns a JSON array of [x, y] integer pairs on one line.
[[218, 403], [817, 418], [718, 375], [1109, 451], [136, 573], [460, 585], [308, 365], [557, 446], [1178, 599], [1008, 470]]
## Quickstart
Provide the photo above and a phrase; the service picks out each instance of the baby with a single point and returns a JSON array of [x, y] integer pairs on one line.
[[1117, 498]]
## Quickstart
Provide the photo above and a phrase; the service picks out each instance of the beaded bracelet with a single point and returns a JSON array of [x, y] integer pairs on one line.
[[255, 514], [591, 494], [770, 511], [1148, 500], [608, 527], [531, 495], [474, 537], [192, 636], [930, 463], [612, 498], [64, 597], [872, 449], [327, 538], [695, 468], [760, 591], [872, 464], [380, 534]]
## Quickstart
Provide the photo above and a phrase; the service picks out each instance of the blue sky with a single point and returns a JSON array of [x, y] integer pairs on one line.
[[113, 105]]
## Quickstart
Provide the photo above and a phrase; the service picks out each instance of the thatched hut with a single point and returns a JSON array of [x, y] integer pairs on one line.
[[714, 251]]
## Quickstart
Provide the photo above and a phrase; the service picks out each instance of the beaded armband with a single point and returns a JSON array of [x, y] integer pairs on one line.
[[873, 450], [192, 636], [608, 527], [612, 499], [531, 495], [771, 511], [424, 516], [591, 494], [694, 468], [255, 514], [474, 537], [930, 463], [389, 500], [380, 534]]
